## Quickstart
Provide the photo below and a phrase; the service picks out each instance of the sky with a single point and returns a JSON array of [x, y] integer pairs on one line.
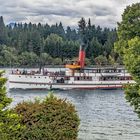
[[105, 13]]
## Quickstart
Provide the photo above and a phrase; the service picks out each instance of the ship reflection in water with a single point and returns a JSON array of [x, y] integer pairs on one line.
[[104, 114]]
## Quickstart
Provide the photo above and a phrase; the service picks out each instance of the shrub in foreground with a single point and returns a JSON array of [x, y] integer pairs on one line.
[[132, 95], [10, 127], [50, 119]]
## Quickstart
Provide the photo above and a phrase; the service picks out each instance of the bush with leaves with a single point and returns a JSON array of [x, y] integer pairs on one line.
[[128, 46], [10, 128], [50, 119], [132, 94]]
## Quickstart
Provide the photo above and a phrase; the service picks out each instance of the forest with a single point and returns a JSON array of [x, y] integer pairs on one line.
[[32, 45]]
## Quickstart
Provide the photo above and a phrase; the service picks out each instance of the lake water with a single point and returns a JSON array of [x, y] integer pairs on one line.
[[104, 114]]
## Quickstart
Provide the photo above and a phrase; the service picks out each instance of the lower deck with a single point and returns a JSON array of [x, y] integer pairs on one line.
[[66, 81]]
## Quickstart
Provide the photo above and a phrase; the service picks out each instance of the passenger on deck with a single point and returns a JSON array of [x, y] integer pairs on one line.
[[17, 71], [24, 72], [46, 72]]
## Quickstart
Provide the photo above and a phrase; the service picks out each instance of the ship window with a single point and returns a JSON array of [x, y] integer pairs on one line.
[[75, 78], [34, 77], [45, 77], [38, 77], [19, 76], [119, 70]]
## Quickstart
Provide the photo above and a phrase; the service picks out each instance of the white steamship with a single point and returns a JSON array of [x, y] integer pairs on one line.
[[76, 76]]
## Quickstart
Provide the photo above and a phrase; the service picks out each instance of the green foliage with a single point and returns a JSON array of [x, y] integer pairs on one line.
[[70, 49], [129, 27], [50, 119], [87, 62], [3, 32], [45, 59], [4, 100], [132, 57], [53, 45], [9, 56], [23, 40], [128, 46], [10, 128], [82, 30], [111, 60], [28, 59], [132, 95], [57, 61], [101, 60]]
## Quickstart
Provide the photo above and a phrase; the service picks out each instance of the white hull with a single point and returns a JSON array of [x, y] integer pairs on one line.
[[27, 86], [28, 82], [45, 82]]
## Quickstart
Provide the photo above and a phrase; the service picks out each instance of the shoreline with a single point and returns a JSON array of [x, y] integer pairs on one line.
[[59, 66]]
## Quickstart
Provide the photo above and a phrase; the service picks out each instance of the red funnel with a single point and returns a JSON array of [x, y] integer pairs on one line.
[[82, 56]]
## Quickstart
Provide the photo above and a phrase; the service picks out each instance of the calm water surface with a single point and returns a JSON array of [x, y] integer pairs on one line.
[[104, 114]]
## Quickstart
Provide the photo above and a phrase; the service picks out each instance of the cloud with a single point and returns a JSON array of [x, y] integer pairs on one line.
[[105, 13]]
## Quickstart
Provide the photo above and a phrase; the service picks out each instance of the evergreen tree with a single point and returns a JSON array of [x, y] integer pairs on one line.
[[94, 48], [61, 31], [68, 33], [89, 33], [82, 30], [54, 45], [3, 33]]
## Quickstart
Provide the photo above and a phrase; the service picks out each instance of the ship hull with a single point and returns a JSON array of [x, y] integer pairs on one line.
[[47, 86], [86, 87], [19, 85], [28, 82]]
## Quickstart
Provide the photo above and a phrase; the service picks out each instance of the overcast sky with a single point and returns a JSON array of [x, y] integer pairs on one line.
[[102, 12]]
